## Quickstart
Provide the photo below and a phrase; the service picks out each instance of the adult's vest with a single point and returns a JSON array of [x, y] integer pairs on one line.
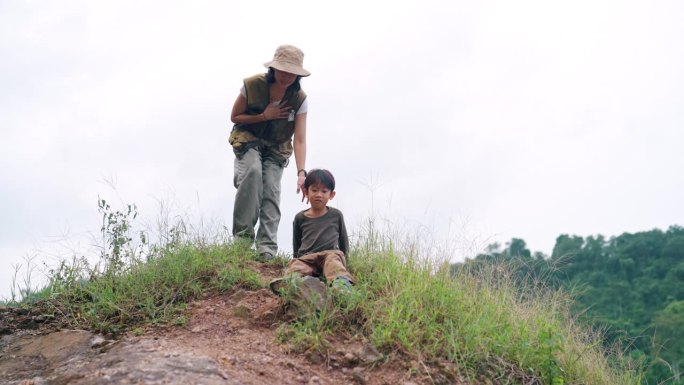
[[272, 135]]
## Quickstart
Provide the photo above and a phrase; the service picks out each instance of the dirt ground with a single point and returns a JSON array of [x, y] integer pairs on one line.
[[228, 339]]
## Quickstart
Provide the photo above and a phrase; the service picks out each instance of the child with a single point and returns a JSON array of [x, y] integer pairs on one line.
[[320, 243]]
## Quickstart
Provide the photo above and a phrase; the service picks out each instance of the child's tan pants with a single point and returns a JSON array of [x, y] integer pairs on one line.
[[330, 263]]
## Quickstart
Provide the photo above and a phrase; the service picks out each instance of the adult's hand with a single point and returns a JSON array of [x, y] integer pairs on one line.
[[300, 187], [277, 111]]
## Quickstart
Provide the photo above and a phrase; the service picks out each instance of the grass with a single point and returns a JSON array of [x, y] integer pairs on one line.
[[153, 291], [136, 282], [477, 323]]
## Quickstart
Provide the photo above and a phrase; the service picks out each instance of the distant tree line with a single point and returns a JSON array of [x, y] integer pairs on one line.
[[630, 286]]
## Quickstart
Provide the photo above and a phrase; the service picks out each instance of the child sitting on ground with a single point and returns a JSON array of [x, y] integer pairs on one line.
[[320, 243]]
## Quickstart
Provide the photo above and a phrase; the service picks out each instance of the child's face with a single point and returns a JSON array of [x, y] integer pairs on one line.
[[319, 195]]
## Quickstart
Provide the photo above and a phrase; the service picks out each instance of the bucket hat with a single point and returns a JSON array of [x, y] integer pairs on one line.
[[290, 59]]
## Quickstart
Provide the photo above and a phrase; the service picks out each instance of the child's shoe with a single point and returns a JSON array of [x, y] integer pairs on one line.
[[342, 283], [265, 257], [277, 284]]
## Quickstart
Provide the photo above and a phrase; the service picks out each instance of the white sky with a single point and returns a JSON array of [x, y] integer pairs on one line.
[[463, 122]]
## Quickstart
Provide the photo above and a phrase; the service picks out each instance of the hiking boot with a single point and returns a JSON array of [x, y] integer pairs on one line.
[[277, 284], [341, 287], [265, 257], [342, 283]]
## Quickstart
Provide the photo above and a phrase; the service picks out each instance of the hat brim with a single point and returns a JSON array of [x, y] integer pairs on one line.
[[287, 67]]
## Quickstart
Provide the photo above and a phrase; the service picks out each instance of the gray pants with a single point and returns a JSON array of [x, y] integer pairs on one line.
[[257, 180]]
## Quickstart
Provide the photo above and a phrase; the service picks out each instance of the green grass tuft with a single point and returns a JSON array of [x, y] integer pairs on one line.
[[153, 291]]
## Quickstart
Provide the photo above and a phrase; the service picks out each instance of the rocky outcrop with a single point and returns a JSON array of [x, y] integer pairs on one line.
[[227, 339], [79, 357]]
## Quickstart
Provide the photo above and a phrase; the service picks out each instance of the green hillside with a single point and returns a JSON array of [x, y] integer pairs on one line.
[[631, 287]]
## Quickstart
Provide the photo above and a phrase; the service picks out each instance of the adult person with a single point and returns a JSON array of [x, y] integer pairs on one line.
[[270, 124]]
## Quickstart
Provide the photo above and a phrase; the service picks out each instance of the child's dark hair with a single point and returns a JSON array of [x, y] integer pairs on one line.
[[321, 176]]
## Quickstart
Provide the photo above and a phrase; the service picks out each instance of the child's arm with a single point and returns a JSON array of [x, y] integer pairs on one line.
[[296, 236], [344, 241]]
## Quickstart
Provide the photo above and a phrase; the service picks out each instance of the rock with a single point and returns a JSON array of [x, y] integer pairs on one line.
[[350, 360], [358, 376], [132, 363], [369, 354], [303, 296], [230, 359], [97, 342], [267, 316], [33, 355], [315, 380], [242, 311], [315, 357], [34, 381], [313, 291], [288, 364], [238, 295]]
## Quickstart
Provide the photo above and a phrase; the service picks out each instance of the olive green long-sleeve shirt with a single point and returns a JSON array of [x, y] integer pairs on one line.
[[326, 232]]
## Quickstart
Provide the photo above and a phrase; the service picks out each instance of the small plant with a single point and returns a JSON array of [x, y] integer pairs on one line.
[[136, 282], [22, 285], [118, 252]]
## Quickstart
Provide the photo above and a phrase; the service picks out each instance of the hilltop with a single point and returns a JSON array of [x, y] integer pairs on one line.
[[197, 311], [229, 338]]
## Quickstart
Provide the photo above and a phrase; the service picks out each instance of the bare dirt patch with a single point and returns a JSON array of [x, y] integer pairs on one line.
[[228, 339], [239, 331]]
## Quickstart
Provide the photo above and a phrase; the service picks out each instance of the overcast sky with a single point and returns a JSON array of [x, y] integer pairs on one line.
[[462, 122]]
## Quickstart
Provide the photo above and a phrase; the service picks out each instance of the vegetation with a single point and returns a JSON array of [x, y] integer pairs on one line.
[[631, 287], [135, 282], [475, 322]]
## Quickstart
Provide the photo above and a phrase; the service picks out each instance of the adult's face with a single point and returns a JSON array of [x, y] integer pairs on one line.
[[284, 79]]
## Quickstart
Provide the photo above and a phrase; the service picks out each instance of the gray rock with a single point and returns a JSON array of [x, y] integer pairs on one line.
[[67, 357], [359, 376], [128, 364], [369, 354]]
